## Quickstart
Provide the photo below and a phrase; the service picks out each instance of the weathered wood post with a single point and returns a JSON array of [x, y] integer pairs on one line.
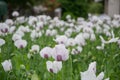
[[112, 7]]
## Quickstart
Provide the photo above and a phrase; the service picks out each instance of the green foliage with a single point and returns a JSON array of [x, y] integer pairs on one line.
[[66, 13], [76, 7], [80, 8], [95, 8]]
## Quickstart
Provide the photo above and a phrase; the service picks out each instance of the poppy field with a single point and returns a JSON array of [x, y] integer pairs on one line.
[[45, 48]]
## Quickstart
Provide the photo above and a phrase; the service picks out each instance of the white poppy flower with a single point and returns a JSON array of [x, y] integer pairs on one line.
[[90, 74], [35, 48], [92, 37], [107, 79], [79, 39], [2, 42], [60, 53], [40, 25], [24, 28], [12, 29], [48, 32], [7, 65], [100, 76], [39, 34], [101, 47], [70, 42], [34, 35], [46, 52], [92, 66], [21, 19], [15, 13], [4, 28], [54, 32], [76, 50], [19, 32], [20, 43], [112, 40], [16, 37], [32, 20], [61, 39], [54, 66], [9, 22], [86, 35], [68, 17], [88, 30]]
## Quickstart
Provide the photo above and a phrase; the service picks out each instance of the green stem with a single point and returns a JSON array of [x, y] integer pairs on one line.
[[63, 72], [71, 66]]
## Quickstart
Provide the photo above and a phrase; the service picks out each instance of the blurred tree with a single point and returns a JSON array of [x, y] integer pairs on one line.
[[51, 4], [20, 3], [23, 6]]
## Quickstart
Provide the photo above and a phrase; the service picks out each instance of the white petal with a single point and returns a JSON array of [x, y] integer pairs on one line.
[[100, 76]]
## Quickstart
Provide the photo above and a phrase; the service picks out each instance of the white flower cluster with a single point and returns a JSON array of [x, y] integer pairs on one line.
[[67, 34]]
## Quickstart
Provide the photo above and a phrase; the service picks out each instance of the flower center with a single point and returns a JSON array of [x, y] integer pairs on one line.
[[59, 58], [51, 70], [45, 55], [21, 46]]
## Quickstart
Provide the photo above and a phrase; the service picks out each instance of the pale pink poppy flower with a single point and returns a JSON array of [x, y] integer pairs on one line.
[[46, 52], [60, 53], [7, 65], [20, 43], [54, 66]]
